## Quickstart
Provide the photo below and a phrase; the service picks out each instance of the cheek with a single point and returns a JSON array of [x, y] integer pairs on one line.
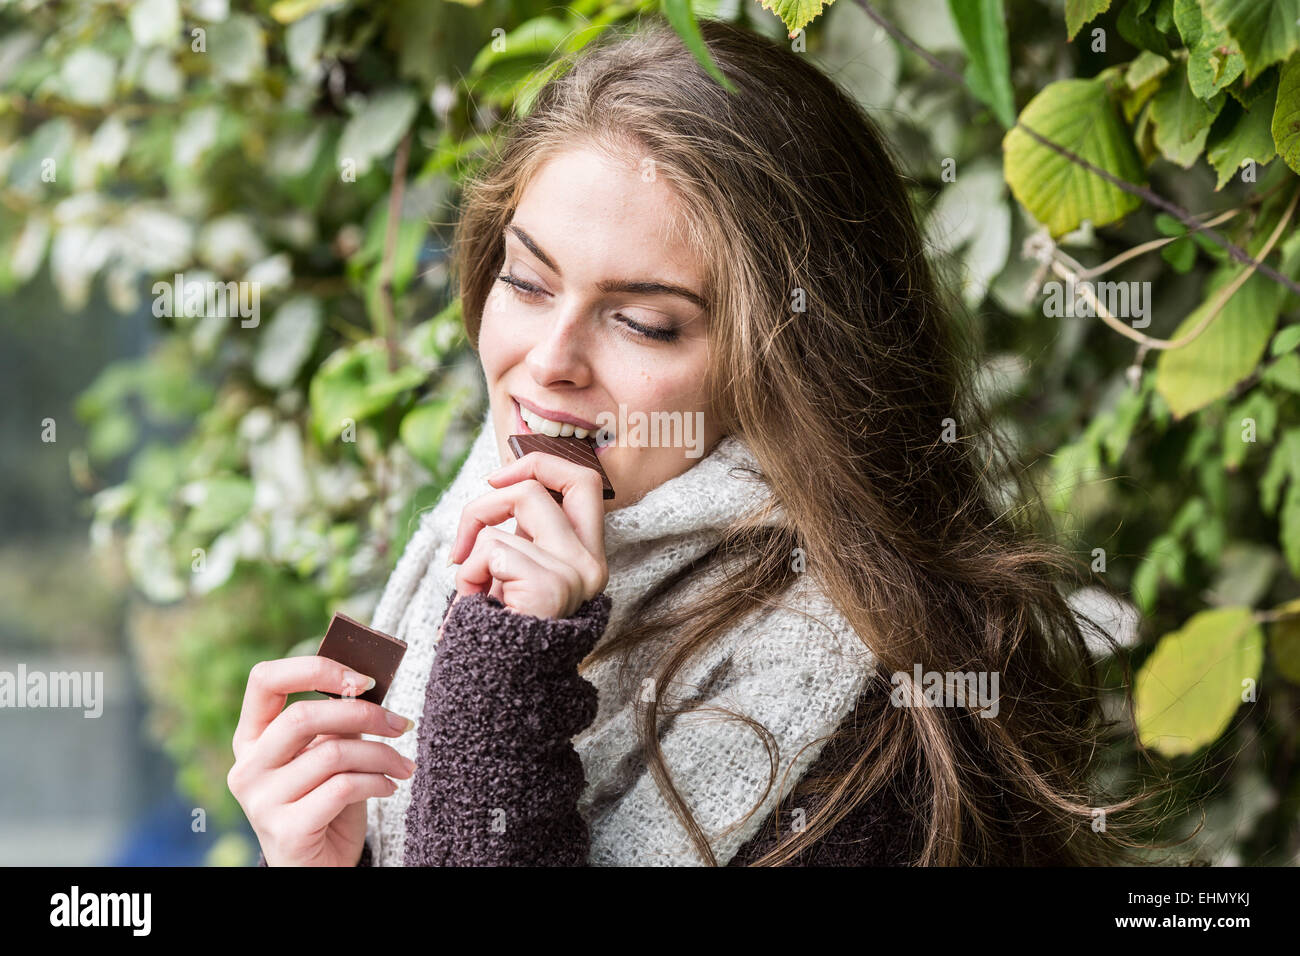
[[494, 345]]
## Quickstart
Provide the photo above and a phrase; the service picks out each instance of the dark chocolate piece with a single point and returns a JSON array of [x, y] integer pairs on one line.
[[365, 650], [580, 450]]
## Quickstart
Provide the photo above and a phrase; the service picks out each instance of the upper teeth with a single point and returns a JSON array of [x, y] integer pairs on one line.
[[544, 426]]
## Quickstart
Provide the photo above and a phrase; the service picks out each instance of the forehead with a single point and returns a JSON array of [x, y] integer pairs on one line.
[[597, 216]]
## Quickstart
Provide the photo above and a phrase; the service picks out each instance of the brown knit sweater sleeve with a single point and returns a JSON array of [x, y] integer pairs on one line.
[[497, 779]]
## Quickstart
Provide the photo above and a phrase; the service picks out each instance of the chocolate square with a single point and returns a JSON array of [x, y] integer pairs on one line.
[[580, 450], [365, 650]]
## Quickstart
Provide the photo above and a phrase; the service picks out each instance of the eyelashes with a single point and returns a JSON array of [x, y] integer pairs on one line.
[[532, 295], [522, 289]]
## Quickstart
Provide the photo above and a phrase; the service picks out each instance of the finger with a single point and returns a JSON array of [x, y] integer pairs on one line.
[[271, 682], [527, 577], [583, 491], [317, 809], [478, 571], [290, 732], [313, 767], [537, 516]]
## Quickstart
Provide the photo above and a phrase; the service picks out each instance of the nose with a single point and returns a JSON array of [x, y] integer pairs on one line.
[[560, 356]]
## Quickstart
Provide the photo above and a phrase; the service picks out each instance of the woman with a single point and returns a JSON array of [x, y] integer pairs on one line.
[[726, 664]]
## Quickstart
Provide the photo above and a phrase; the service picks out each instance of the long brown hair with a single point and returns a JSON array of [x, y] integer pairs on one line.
[[835, 358]]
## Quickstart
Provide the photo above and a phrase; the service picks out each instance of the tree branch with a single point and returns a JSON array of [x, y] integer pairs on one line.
[[388, 315]]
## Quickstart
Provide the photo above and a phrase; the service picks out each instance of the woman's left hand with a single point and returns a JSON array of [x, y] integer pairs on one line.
[[556, 559]]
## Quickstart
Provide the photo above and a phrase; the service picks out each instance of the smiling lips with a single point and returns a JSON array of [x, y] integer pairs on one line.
[[552, 427]]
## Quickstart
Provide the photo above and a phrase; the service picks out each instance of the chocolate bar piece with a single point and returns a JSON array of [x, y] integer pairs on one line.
[[581, 450], [366, 651]]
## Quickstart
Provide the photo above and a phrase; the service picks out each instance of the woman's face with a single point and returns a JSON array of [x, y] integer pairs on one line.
[[599, 323]]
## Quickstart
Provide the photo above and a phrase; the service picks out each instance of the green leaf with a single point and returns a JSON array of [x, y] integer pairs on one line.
[[1167, 225], [1212, 59], [1079, 116], [287, 342], [355, 383], [1247, 93], [1079, 12], [534, 41], [1258, 406], [1123, 419], [1289, 527], [1286, 114], [983, 28], [795, 14], [1284, 641], [1142, 27], [424, 429], [432, 339], [1180, 255], [1144, 68], [1285, 340], [1163, 560], [154, 22], [1283, 464], [236, 49], [1265, 31], [288, 11], [1285, 372], [1191, 377], [376, 128], [112, 436], [217, 503], [1191, 685], [1182, 120], [1249, 138]]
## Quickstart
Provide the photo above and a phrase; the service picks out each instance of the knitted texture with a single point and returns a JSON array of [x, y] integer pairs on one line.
[[497, 780], [797, 669]]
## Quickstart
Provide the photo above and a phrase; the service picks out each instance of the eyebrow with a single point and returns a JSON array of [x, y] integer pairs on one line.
[[642, 287]]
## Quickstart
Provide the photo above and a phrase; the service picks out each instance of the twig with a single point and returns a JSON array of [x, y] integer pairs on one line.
[[1220, 300], [911, 44], [1178, 212], [387, 314], [1145, 247]]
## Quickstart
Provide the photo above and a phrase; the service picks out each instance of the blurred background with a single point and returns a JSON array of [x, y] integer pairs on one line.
[[234, 372]]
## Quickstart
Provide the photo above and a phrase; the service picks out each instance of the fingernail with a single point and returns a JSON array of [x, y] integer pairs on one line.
[[400, 723], [450, 562], [354, 679], [409, 764]]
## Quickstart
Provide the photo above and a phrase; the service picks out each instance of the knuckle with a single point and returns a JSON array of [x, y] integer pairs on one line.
[[324, 671], [340, 785], [331, 753], [256, 808], [595, 573], [297, 715], [574, 580]]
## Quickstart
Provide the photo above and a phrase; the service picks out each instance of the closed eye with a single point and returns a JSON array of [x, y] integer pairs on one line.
[[524, 290], [531, 294]]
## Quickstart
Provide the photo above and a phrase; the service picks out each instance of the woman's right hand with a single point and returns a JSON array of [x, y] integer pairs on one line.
[[303, 773]]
